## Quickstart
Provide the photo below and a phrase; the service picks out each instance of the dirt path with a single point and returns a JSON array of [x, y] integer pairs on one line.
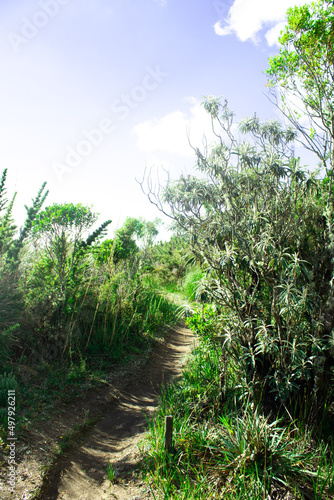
[[82, 473]]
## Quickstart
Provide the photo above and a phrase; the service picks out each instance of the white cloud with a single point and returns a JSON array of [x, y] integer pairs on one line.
[[219, 30], [246, 18], [274, 33], [170, 133]]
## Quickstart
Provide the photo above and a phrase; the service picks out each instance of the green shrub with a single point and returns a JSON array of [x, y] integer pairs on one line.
[[192, 282], [262, 228], [230, 451]]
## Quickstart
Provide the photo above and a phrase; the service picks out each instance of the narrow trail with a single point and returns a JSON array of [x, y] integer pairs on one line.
[[81, 474]]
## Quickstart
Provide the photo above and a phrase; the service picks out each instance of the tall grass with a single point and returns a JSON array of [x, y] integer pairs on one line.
[[110, 315], [229, 449], [191, 282]]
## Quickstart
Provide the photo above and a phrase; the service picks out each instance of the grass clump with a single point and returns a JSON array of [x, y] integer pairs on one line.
[[192, 282], [230, 449]]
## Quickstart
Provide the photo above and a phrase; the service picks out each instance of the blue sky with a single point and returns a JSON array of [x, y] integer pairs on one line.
[[92, 91]]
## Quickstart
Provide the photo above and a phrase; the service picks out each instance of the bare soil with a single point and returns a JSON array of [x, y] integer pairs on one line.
[[121, 410]]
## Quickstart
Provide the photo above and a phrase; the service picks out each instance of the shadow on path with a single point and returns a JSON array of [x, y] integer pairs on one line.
[[82, 473]]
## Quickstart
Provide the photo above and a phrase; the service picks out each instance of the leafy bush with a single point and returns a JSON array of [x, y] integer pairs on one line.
[[166, 263], [231, 451], [261, 226]]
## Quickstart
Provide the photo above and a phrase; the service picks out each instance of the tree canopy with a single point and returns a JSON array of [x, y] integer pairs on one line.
[[301, 77], [255, 219]]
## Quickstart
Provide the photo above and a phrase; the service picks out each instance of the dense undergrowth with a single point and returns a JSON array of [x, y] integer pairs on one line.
[[260, 227], [74, 306], [251, 270], [229, 448]]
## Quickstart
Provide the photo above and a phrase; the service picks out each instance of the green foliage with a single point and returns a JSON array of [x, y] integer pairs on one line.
[[190, 400], [204, 323], [80, 298], [69, 304], [7, 383], [10, 300], [167, 263], [258, 447], [62, 264], [130, 311], [104, 252], [77, 372], [230, 451], [96, 235], [196, 395], [192, 283], [257, 222], [68, 218], [301, 74], [63, 292], [32, 212], [7, 340], [7, 226], [133, 234], [262, 228], [111, 472]]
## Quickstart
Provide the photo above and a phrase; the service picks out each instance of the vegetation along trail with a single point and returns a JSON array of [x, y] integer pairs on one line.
[[82, 473]]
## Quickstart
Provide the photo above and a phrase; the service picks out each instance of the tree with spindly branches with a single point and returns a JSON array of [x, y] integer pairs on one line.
[[59, 231], [301, 75], [254, 219]]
